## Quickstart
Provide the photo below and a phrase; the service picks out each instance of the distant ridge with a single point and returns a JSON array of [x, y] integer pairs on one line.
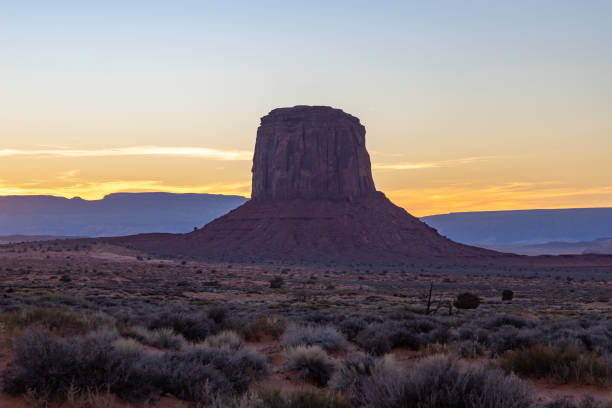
[[114, 215], [13, 239], [598, 246], [524, 227]]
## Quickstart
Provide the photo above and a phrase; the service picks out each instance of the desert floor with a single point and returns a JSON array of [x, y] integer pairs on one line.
[[100, 278]]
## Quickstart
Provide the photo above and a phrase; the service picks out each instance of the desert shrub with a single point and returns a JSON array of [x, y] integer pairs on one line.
[[166, 338], [357, 369], [137, 333], [507, 295], [81, 399], [440, 381], [266, 325], [565, 365], [405, 334], [326, 337], [380, 338], [59, 320], [591, 334], [467, 300], [193, 328], [311, 363], [566, 402], [191, 380], [507, 332], [303, 398], [225, 340], [130, 369], [374, 342], [471, 332], [318, 317], [194, 373], [352, 326], [510, 338], [99, 361], [162, 338], [63, 299], [277, 282], [506, 320], [470, 349], [431, 349], [217, 314], [45, 365]]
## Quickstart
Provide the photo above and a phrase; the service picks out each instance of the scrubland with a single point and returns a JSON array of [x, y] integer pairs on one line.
[[91, 325]]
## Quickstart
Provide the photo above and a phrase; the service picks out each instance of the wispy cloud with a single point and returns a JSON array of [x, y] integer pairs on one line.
[[507, 196], [430, 164], [203, 152]]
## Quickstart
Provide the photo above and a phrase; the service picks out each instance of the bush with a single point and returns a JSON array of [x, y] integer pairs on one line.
[[97, 362], [59, 320], [225, 340], [268, 325], [311, 363], [440, 381], [166, 338], [304, 398], [352, 326], [195, 373], [565, 365], [587, 402], [162, 338], [374, 341], [470, 349], [326, 337], [191, 327], [507, 294], [357, 369], [411, 332], [137, 333], [467, 300], [217, 314], [507, 320], [277, 283], [510, 338]]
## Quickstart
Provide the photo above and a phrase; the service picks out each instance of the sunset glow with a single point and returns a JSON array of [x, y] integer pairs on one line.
[[151, 97]]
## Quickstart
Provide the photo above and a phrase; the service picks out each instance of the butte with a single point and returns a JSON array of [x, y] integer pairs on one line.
[[313, 201]]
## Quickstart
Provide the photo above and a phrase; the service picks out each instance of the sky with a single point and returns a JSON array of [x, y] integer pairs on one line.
[[468, 105]]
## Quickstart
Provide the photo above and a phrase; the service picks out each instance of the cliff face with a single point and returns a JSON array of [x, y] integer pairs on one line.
[[310, 152]]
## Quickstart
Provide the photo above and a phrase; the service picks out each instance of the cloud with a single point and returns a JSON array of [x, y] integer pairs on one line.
[[202, 152], [431, 164], [507, 196]]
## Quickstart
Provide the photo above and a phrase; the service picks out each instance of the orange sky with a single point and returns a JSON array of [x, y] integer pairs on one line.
[[479, 107]]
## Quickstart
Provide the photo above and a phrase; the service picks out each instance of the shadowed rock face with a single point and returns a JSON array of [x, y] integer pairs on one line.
[[310, 152]]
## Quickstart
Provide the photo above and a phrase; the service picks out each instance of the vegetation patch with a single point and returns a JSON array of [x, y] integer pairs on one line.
[[564, 365]]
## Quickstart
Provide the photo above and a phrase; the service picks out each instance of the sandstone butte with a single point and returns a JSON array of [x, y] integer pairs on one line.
[[314, 201]]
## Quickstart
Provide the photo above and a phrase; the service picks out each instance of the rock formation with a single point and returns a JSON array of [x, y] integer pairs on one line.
[[310, 152], [313, 200]]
